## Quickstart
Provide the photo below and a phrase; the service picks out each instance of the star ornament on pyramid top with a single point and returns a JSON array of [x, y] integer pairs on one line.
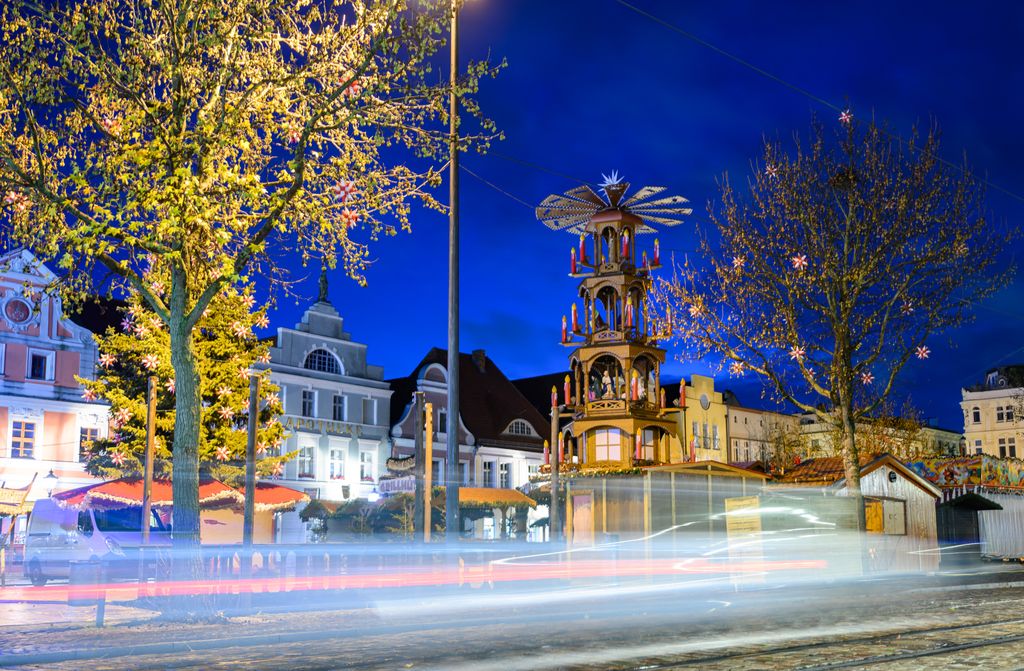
[[572, 211]]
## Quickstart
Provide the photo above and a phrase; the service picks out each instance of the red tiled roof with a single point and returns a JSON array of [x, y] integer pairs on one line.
[[822, 469]]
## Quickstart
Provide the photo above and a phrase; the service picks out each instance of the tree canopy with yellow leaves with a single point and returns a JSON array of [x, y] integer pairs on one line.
[[212, 137]]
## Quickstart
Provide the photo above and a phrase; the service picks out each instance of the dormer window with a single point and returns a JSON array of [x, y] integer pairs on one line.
[[323, 361], [520, 427]]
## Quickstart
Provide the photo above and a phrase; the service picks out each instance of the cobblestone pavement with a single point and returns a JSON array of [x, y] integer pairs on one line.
[[858, 627]]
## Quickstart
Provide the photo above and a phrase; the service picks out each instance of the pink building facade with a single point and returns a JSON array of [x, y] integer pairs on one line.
[[44, 420]]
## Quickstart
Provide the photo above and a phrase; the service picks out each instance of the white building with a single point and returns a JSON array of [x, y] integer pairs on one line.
[[335, 411], [992, 413]]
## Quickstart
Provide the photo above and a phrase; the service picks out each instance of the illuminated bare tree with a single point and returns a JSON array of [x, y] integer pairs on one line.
[[851, 251]]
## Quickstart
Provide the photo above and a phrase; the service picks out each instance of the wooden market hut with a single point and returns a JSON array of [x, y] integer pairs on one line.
[[899, 507]]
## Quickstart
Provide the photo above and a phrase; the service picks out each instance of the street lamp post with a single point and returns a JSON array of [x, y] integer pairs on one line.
[[451, 516]]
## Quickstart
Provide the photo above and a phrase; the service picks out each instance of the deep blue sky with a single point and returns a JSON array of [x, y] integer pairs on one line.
[[592, 86]]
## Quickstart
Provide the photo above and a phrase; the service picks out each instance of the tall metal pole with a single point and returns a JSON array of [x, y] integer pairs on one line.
[[451, 499], [554, 518], [147, 477], [249, 511], [421, 457]]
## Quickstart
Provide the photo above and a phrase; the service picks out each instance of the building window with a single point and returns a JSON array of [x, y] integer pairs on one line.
[[976, 415], [1009, 414], [648, 444], [977, 447], [323, 361], [715, 439], [40, 365], [706, 436], [338, 408], [999, 414], [1011, 447], [305, 461], [337, 464], [308, 403], [86, 437], [505, 476], [442, 420], [520, 427], [366, 469], [23, 439], [608, 445], [488, 474], [464, 472], [369, 411], [1002, 448], [532, 470]]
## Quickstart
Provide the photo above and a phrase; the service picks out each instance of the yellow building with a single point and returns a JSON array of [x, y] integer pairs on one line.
[[705, 422], [992, 423]]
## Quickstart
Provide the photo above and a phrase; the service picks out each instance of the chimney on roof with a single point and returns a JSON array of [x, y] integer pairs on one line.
[[480, 360]]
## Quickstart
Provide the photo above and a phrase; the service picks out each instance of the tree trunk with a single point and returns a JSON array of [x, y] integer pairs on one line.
[[185, 463], [851, 462]]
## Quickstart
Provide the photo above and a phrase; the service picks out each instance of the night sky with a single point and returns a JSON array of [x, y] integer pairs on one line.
[[593, 86]]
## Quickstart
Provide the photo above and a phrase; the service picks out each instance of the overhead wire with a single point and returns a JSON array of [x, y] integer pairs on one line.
[[802, 91]]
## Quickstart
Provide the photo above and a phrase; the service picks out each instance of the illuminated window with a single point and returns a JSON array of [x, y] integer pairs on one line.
[[337, 464], [648, 444], [488, 474], [23, 439], [366, 469], [305, 461], [505, 476], [323, 361], [608, 444]]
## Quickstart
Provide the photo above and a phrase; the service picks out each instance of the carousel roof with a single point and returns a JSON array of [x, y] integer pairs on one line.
[[574, 209]]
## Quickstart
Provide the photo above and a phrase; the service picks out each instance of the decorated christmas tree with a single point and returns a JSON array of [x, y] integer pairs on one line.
[[226, 349]]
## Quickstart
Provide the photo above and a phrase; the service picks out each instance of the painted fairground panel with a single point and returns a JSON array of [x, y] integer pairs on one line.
[[975, 470]]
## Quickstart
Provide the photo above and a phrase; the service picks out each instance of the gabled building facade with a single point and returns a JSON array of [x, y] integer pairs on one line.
[[335, 408], [44, 420], [500, 432]]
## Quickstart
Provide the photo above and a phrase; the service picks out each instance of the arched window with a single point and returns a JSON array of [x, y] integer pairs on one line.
[[323, 361], [520, 427]]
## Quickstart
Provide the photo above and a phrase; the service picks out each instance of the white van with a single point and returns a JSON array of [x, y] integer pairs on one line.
[[57, 536]]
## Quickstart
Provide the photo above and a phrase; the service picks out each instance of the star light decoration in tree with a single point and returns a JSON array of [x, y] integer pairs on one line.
[[572, 211], [225, 349]]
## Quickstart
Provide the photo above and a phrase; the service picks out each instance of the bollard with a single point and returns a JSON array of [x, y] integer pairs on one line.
[[85, 587]]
